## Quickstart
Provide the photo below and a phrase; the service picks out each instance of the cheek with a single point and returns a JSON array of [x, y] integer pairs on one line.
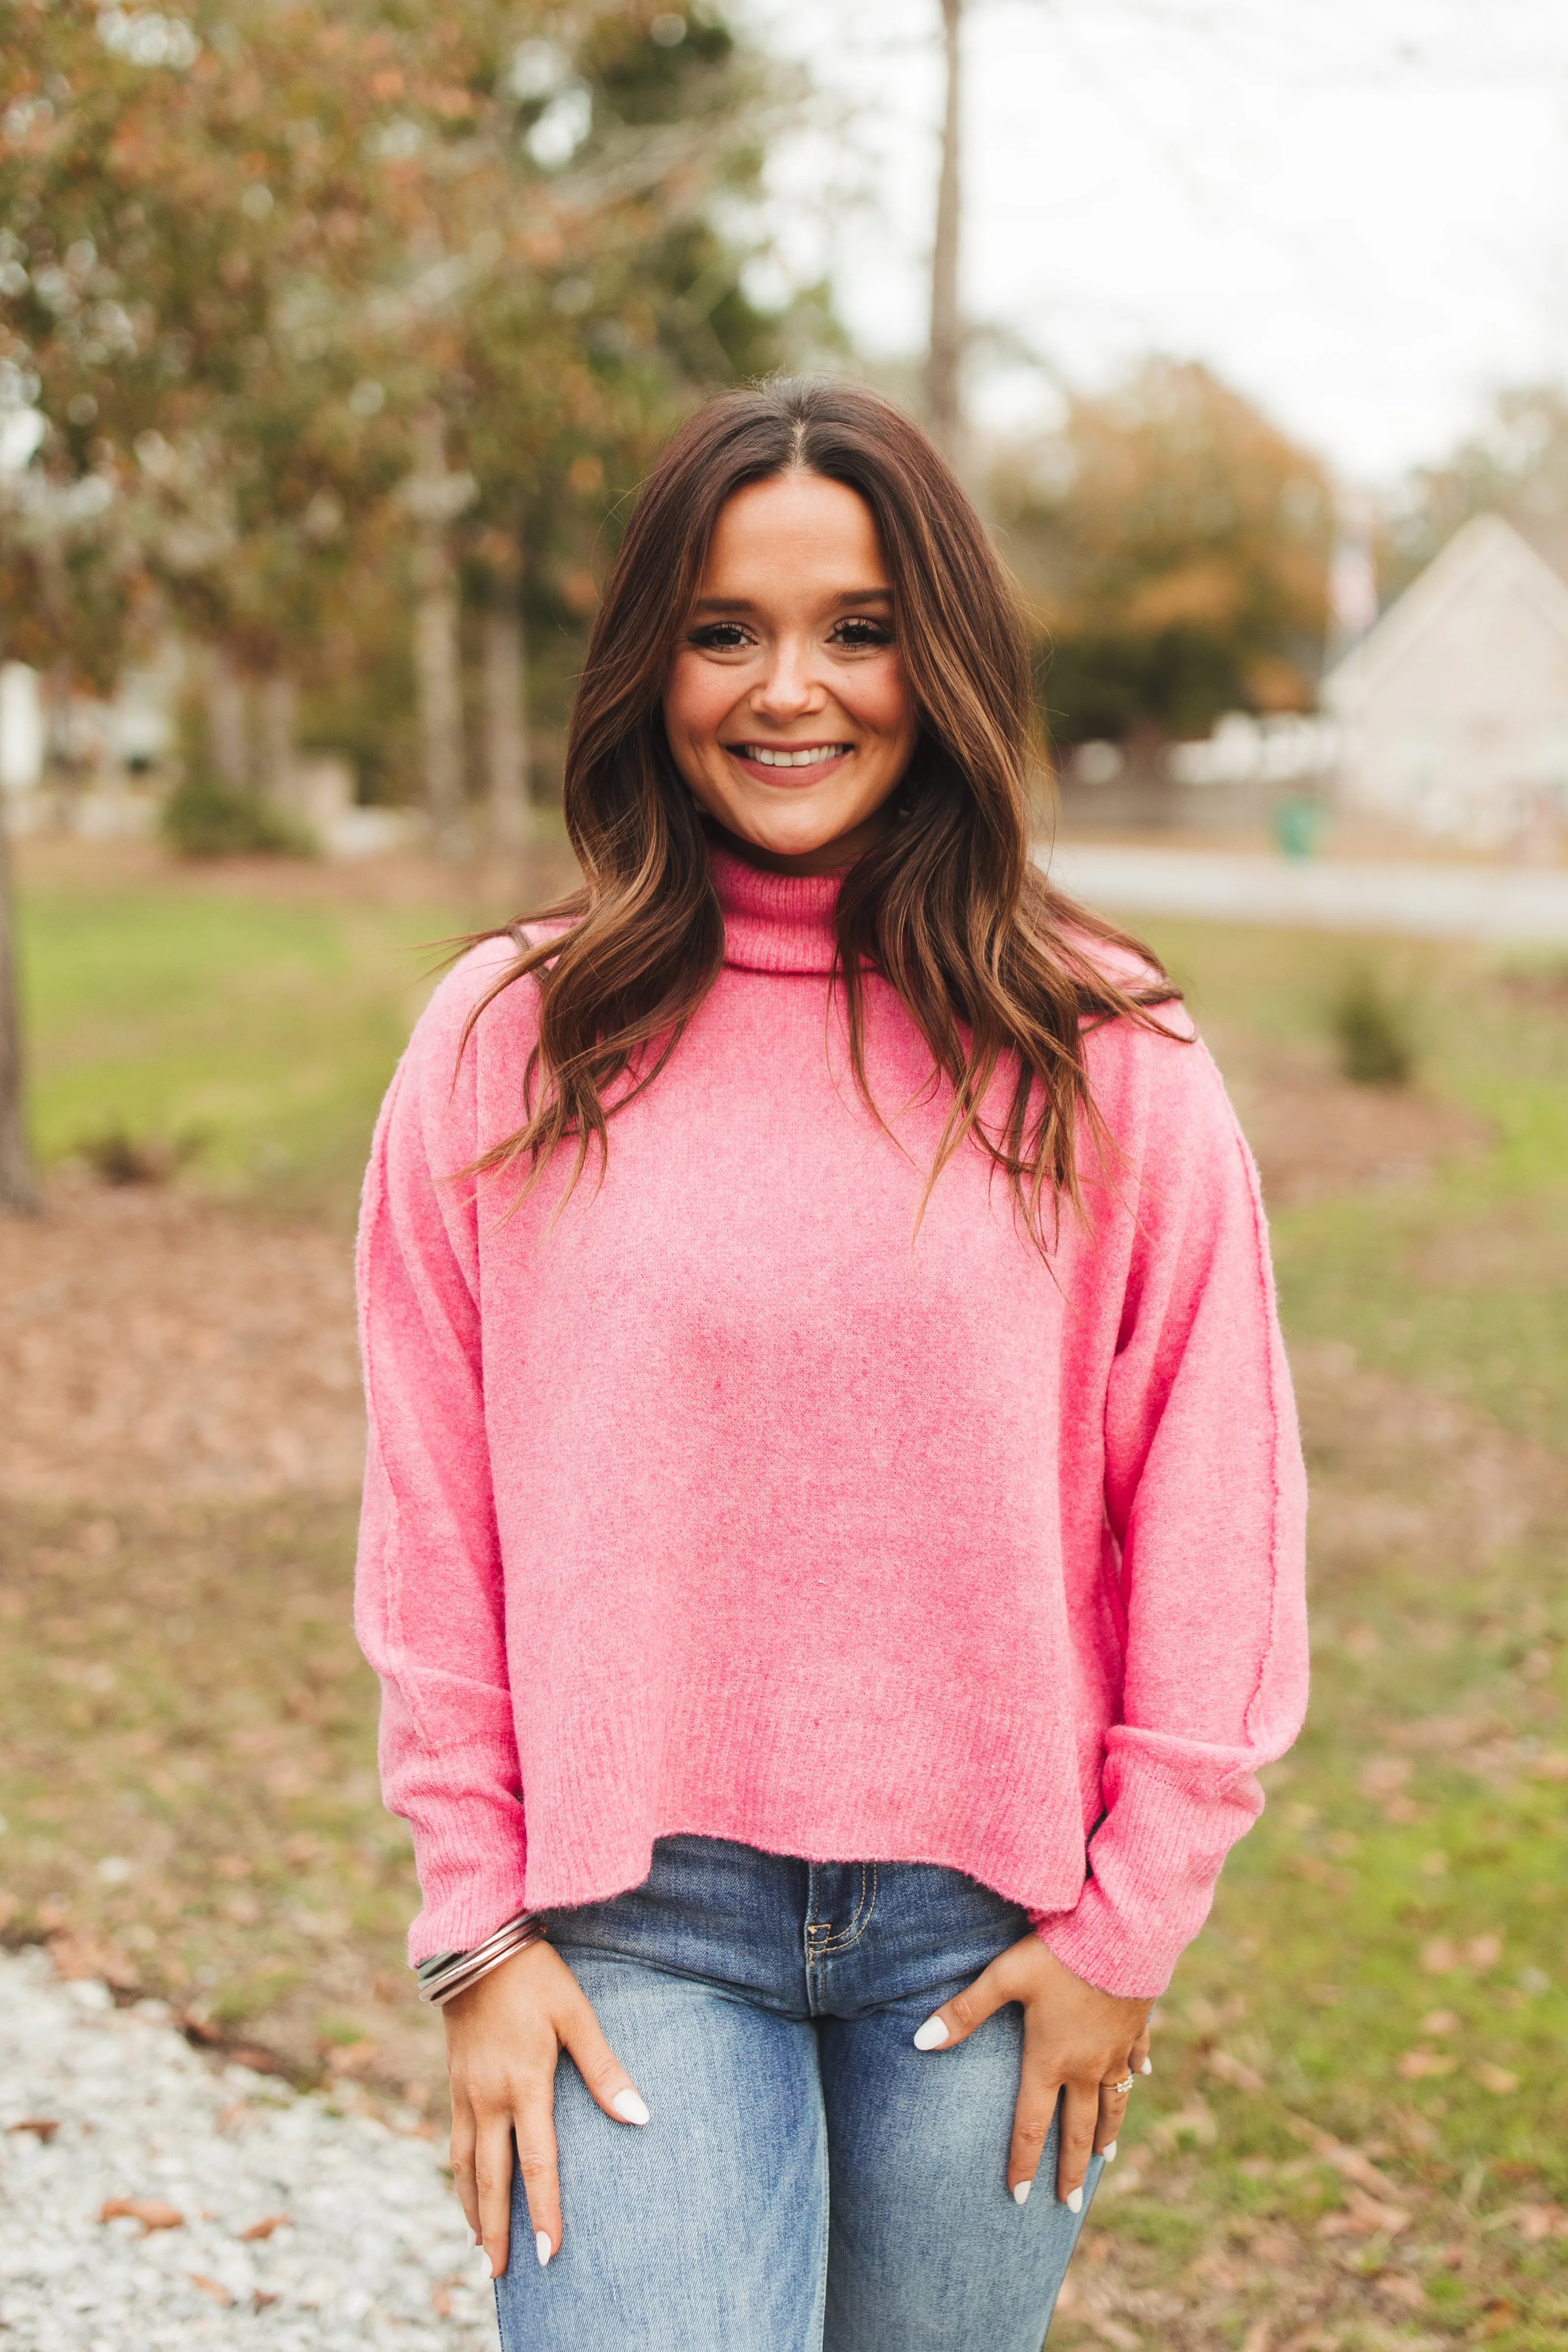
[[698, 699], [879, 697]]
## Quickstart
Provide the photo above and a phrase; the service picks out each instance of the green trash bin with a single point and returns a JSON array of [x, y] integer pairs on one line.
[[1298, 825]]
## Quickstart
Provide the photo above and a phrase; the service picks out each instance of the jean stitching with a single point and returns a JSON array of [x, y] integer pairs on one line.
[[863, 1912]]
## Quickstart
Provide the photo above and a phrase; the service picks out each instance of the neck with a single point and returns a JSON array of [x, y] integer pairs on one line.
[[833, 856]]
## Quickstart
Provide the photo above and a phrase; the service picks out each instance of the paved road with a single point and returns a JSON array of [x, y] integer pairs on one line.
[[1523, 904]]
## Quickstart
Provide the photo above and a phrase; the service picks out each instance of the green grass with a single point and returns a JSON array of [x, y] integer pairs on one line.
[[262, 1028]]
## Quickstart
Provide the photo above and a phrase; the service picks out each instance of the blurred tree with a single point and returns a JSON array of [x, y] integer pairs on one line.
[[183, 200], [1515, 465], [18, 1193], [1174, 545], [944, 354], [284, 278], [625, 302]]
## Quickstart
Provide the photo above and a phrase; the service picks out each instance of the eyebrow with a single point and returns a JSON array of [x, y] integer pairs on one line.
[[748, 604]]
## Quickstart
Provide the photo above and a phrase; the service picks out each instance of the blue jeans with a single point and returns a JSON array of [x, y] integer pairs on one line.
[[809, 2182]]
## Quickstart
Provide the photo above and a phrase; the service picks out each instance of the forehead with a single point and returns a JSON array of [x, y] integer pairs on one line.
[[798, 528]]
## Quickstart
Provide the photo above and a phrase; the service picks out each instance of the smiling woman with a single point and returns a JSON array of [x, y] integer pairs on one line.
[[830, 1602], [787, 710]]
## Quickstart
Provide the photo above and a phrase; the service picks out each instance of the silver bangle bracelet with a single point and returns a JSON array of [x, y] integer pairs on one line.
[[442, 1979]]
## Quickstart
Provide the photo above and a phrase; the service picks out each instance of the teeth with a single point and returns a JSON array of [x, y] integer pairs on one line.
[[810, 756]]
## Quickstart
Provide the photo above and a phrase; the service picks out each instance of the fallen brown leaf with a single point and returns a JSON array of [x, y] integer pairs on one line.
[[42, 2127], [1416, 2065], [214, 2287], [259, 2061], [153, 2212], [1352, 2163], [1364, 2217], [264, 2229], [1234, 2070], [1443, 1954], [1496, 2079], [1384, 1776], [79, 1955], [351, 2058]]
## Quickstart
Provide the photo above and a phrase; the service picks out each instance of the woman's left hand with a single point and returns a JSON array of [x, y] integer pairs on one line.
[[1077, 2041]]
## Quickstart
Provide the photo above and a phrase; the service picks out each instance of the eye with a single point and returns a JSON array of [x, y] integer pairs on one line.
[[718, 638], [858, 632]]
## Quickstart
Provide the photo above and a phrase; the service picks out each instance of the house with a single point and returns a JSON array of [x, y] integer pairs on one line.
[[1453, 709]]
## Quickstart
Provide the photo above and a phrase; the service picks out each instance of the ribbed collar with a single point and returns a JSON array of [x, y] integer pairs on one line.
[[775, 923]]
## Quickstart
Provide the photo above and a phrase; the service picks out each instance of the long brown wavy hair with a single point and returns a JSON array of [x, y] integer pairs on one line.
[[999, 972]]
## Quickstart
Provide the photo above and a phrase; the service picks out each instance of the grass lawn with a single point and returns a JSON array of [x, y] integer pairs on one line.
[[251, 1018], [1357, 2133]]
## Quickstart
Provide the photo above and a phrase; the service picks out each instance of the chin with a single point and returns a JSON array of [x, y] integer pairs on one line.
[[792, 832]]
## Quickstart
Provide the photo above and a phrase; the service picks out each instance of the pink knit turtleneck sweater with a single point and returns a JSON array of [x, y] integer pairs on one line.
[[723, 1499]]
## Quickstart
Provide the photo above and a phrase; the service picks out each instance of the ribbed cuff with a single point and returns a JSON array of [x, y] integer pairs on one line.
[[1095, 1945], [1154, 1861], [460, 1913]]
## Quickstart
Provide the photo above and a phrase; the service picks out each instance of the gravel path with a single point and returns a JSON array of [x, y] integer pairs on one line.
[[250, 2215]]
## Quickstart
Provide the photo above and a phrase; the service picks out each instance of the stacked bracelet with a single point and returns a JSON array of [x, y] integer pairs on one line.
[[446, 1974]]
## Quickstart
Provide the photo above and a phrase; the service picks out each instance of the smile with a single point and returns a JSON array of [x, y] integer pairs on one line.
[[810, 755]]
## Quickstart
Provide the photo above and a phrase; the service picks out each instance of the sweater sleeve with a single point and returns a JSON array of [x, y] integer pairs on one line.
[[429, 1606], [1206, 1515]]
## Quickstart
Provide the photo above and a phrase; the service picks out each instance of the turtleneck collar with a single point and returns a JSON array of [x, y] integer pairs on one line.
[[775, 923]]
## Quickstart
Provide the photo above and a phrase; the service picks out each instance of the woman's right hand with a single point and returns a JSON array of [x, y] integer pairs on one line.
[[503, 2038]]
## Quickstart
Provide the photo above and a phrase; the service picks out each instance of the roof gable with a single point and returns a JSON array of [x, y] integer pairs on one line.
[[1485, 557]]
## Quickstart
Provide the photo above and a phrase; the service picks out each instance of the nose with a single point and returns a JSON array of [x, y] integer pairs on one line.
[[788, 690]]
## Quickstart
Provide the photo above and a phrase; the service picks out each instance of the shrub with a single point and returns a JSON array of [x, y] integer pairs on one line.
[[1373, 1030], [119, 1157], [205, 819]]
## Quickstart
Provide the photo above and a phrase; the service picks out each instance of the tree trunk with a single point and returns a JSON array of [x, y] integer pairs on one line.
[[507, 724], [944, 366], [18, 1190], [228, 722], [436, 654], [279, 701]]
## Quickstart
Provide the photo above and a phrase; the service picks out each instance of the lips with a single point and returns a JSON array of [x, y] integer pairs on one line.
[[790, 763]]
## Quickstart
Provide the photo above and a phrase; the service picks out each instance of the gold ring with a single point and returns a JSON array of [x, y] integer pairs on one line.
[[1120, 2090]]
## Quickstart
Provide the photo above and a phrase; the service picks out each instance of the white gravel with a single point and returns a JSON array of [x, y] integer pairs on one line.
[[373, 2250]]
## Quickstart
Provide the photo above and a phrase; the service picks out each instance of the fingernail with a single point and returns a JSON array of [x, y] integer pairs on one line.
[[1108, 2155], [542, 2247], [931, 2035], [1146, 2066], [1075, 2200], [630, 2108], [487, 2268], [1021, 2193]]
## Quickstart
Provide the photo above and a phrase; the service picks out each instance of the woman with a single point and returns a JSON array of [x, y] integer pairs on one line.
[[832, 1537]]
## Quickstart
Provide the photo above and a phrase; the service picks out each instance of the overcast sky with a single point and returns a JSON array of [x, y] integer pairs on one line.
[[1357, 210]]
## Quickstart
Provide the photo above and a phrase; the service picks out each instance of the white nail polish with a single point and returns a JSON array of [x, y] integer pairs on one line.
[[630, 2108], [1108, 2155], [1020, 2193], [1075, 2201], [1146, 2066], [931, 2035], [486, 2267], [542, 2247]]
